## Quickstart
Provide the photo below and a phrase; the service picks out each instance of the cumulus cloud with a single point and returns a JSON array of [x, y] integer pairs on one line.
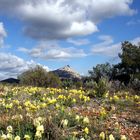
[[136, 41], [3, 34], [11, 65], [78, 42], [61, 19], [108, 48], [52, 51], [133, 22]]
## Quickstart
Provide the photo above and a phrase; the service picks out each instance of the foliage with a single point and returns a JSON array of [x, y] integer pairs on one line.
[[52, 80], [101, 71], [88, 84], [39, 77], [130, 57], [100, 88], [130, 61], [72, 83], [128, 70]]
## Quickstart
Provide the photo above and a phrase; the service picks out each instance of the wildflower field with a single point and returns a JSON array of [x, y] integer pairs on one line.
[[32, 113]]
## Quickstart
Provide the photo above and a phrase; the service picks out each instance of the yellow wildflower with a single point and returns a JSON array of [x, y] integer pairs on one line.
[[123, 137], [9, 136], [27, 137], [82, 139], [17, 138], [74, 100], [64, 122], [10, 129], [86, 130], [86, 120], [77, 117], [3, 137], [38, 134], [102, 136], [116, 98], [40, 128], [111, 137]]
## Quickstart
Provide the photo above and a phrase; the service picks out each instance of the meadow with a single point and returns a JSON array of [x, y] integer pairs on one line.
[[33, 113]]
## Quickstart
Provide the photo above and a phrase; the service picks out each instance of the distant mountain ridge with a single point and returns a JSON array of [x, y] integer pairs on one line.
[[10, 81], [67, 73]]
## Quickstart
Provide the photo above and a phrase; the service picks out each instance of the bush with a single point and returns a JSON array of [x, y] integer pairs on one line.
[[52, 80], [72, 83], [39, 77], [100, 88], [135, 85], [89, 85]]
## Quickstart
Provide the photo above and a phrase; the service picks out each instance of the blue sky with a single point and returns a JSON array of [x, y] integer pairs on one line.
[[55, 33]]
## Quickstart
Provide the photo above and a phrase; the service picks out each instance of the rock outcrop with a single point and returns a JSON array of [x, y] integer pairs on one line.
[[67, 73]]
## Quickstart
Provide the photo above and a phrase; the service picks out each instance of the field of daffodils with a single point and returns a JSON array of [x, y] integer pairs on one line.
[[32, 113]]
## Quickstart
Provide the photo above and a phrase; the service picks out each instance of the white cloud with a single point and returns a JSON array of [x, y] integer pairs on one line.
[[133, 22], [61, 19], [3, 34], [109, 48], [11, 65], [136, 41], [78, 42], [52, 51]]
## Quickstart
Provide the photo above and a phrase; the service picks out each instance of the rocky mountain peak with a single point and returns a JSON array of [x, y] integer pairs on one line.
[[67, 72]]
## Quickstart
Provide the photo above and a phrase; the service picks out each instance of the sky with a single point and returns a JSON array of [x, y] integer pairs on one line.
[[55, 33]]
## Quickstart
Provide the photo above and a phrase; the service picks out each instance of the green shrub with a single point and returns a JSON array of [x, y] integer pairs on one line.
[[99, 89], [39, 77]]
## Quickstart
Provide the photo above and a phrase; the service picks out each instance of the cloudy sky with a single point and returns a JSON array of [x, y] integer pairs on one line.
[[55, 33]]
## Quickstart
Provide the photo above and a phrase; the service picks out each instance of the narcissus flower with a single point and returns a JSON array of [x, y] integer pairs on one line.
[[64, 122], [82, 139], [38, 134], [3, 137], [86, 130], [123, 137], [40, 128], [111, 137], [10, 129], [102, 136], [86, 120], [17, 138], [116, 98], [9, 136], [27, 137], [77, 117], [74, 100]]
